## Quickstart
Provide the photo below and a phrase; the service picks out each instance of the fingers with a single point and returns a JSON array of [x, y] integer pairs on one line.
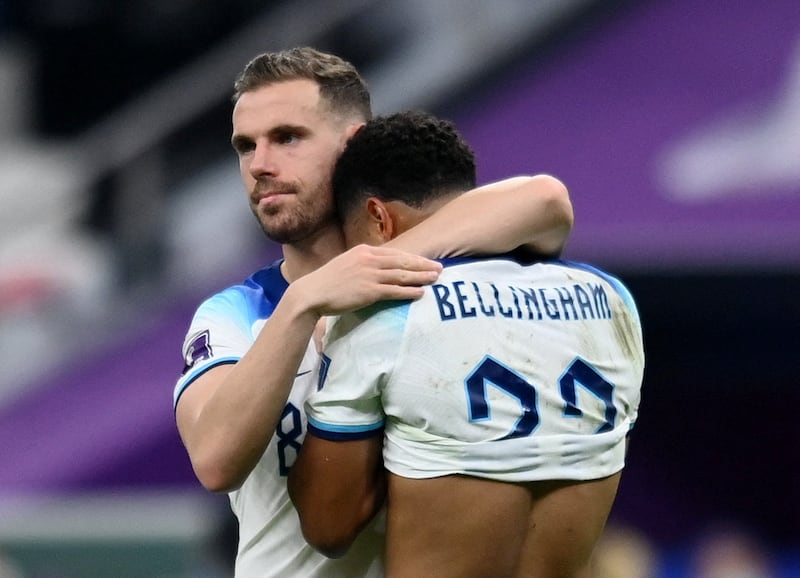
[[386, 266], [397, 293], [364, 275], [386, 258], [406, 277]]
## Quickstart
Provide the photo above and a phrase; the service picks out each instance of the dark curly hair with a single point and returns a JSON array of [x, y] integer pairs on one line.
[[410, 156]]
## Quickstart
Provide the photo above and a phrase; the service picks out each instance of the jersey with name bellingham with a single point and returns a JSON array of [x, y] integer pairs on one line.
[[270, 540], [501, 370]]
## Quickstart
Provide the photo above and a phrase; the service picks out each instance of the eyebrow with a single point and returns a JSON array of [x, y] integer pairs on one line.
[[238, 140], [288, 128]]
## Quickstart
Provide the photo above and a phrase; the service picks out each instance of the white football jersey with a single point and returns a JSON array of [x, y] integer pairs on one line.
[[270, 539], [501, 370]]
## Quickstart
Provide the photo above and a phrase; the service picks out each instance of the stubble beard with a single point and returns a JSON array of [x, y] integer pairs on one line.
[[301, 221]]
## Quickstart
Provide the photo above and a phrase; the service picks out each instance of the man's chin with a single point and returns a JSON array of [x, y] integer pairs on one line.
[[284, 235], [276, 228], [280, 236], [289, 231]]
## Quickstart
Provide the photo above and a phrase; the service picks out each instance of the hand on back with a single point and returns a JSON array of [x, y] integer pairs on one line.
[[363, 275]]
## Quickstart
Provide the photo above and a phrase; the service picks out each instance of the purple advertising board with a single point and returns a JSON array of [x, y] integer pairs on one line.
[[676, 127]]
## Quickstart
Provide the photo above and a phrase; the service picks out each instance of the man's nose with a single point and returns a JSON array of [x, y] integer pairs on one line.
[[262, 162]]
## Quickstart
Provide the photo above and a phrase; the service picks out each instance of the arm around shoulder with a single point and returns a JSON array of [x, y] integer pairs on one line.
[[228, 415], [533, 213]]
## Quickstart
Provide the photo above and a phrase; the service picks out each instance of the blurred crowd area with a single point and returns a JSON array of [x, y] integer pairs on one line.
[[624, 552], [94, 229], [121, 207]]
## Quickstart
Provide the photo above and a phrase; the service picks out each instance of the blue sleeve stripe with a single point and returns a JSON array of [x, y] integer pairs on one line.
[[332, 432], [193, 377]]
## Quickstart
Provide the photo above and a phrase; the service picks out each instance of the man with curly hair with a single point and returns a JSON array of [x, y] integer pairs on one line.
[[499, 402]]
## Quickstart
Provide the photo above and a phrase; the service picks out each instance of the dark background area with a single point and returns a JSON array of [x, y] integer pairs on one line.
[[94, 56], [717, 435]]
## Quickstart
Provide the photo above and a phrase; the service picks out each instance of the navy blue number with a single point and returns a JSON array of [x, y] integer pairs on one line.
[[491, 372], [288, 446], [581, 373]]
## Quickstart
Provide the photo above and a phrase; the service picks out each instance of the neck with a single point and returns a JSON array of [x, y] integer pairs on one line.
[[309, 255], [406, 217]]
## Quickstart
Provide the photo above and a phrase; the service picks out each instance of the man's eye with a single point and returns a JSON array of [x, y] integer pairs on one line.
[[288, 138]]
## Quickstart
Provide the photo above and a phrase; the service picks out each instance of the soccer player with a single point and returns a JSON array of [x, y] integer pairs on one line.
[[500, 401], [250, 358]]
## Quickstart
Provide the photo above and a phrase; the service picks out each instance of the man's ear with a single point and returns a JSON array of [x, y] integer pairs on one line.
[[381, 220], [351, 130]]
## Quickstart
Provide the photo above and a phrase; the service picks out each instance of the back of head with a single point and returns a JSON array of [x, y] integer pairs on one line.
[[340, 84], [412, 157]]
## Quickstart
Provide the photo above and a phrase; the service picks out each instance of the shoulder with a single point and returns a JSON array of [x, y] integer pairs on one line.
[[615, 282], [379, 322], [509, 267], [255, 298]]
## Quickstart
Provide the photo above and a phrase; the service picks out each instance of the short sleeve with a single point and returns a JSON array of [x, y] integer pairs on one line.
[[220, 332], [360, 350]]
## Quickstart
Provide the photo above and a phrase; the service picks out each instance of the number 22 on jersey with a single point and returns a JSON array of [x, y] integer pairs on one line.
[[491, 372]]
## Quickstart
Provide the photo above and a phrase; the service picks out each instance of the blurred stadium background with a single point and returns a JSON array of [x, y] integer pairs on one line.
[[675, 124]]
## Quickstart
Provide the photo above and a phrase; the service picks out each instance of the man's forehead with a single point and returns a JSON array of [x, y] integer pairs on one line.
[[285, 102]]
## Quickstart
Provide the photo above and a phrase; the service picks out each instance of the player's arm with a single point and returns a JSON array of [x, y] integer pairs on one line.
[[337, 487], [227, 416], [337, 483], [533, 213]]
